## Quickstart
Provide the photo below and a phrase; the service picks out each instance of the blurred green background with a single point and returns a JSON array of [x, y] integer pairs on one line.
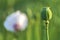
[[34, 29]]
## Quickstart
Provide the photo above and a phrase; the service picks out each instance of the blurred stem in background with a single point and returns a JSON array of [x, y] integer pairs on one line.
[[29, 34]]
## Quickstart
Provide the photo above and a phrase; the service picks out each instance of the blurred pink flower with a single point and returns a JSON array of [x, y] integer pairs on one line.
[[16, 20]]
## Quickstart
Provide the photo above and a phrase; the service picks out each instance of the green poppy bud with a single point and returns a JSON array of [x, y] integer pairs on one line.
[[46, 13]]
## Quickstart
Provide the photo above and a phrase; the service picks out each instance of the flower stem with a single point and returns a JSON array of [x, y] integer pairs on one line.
[[47, 32]]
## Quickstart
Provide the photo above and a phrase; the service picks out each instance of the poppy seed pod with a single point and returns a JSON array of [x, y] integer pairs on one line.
[[46, 13]]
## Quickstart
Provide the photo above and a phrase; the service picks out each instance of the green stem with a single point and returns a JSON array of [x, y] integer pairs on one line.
[[15, 36], [47, 32]]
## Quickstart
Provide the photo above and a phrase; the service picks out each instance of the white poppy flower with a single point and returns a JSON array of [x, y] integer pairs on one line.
[[17, 19]]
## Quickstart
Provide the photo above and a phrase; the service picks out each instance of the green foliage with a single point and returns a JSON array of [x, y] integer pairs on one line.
[[35, 29]]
